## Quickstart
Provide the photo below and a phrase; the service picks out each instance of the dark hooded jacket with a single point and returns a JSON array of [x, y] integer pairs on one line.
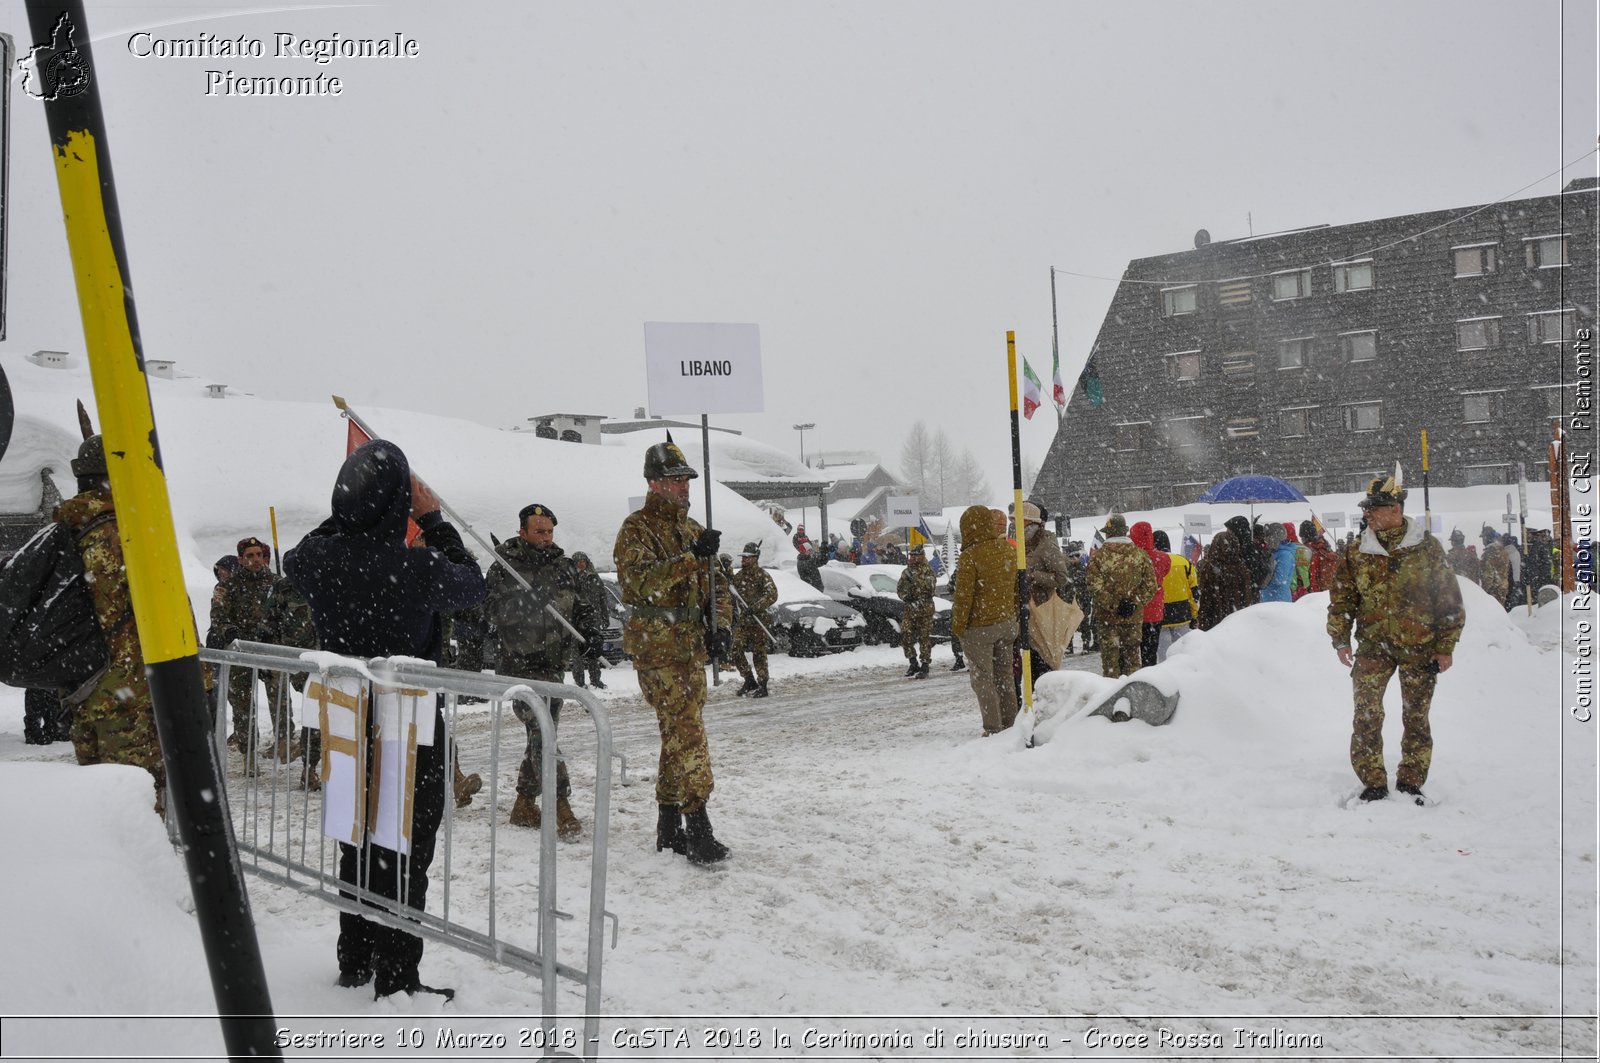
[[1225, 583], [1256, 560], [370, 594]]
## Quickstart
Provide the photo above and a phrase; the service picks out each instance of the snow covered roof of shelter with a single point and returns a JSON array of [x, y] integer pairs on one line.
[[741, 460]]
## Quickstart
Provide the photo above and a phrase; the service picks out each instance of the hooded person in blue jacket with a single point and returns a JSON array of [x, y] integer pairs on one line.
[[372, 596], [1280, 585]]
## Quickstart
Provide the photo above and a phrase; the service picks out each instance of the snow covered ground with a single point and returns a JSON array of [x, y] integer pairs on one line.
[[895, 875]]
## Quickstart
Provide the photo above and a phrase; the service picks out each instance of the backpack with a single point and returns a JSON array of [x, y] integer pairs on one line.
[[49, 635]]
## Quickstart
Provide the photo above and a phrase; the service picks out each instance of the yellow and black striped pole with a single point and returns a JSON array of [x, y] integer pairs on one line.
[[1026, 718], [67, 81]]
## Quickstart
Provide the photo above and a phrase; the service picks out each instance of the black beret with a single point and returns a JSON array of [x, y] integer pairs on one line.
[[536, 510]]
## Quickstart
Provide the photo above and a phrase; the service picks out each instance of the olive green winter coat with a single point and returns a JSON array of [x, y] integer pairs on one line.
[[1400, 594], [986, 582]]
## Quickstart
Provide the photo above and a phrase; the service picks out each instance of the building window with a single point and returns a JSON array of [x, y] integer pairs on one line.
[[545, 430], [569, 436], [1352, 276], [1478, 334], [1132, 435], [1480, 407], [1479, 475], [1133, 498], [1551, 326], [1474, 261], [1552, 397], [1363, 416], [1186, 431], [1292, 285], [1306, 485], [1546, 252], [1294, 422], [1183, 365], [1293, 354], [1176, 301], [1359, 346]]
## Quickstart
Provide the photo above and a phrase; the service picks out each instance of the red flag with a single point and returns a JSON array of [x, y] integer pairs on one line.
[[353, 438]]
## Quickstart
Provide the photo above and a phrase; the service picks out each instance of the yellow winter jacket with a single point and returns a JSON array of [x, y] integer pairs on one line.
[[986, 581]]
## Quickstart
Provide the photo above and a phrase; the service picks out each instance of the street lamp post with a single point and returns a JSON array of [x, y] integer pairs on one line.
[[802, 428]]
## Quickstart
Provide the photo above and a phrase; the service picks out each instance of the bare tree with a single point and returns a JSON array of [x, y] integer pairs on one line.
[[915, 454], [969, 486], [942, 472], [1030, 475]]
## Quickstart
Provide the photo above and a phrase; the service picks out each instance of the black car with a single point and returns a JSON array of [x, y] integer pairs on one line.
[[870, 589], [815, 626], [616, 613]]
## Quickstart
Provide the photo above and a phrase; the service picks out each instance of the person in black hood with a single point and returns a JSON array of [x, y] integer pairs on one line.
[[1256, 559], [372, 596]]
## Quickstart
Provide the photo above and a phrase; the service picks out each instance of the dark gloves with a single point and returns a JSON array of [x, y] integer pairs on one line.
[[707, 544], [1126, 608], [719, 642]]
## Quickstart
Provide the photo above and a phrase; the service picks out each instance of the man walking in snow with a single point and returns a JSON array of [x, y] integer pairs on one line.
[[662, 557], [1395, 586], [1122, 581], [915, 588], [242, 614]]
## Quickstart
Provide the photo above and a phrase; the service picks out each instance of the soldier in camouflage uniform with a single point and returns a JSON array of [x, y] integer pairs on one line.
[[757, 595], [113, 720], [288, 623], [586, 657], [242, 614], [661, 557], [1494, 567], [535, 645], [916, 621], [1122, 580], [1462, 560], [1397, 590]]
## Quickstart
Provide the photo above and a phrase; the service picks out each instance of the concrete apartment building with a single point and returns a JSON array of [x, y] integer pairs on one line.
[[1320, 355]]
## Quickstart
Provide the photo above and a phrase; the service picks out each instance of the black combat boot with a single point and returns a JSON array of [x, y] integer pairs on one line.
[[922, 673], [760, 691], [749, 685], [669, 830], [1414, 791], [703, 847], [1375, 793], [912, 668]]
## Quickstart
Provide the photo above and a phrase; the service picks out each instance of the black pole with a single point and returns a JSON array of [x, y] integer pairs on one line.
[[66, 79]]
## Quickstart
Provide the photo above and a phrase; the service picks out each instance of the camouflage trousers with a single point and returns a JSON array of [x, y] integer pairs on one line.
[[751, 639], [678, 692], [109, 730], [1370, 677], [916, 629], [1119, 644], [530, 773], [241, 684]]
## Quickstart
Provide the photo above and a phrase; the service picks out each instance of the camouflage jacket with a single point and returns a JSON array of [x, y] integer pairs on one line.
[[1047, 568], [242, 613], [92, 517], [656, 570], [1495, 571], [1076, 589], [1120, 572], [1399, 592], [518, 618], [288, 620], [593, 603], [916, 586], [1464, 563], [760, 594]]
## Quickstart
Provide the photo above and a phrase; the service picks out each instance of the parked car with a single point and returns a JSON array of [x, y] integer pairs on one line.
[[807, 623], [871, 590], [616, 613]]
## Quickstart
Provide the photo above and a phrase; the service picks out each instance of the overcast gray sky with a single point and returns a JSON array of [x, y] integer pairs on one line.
[[483, 230]]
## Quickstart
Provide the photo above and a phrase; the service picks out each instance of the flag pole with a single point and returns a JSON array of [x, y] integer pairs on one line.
[[1427, 507], [1026, 718]]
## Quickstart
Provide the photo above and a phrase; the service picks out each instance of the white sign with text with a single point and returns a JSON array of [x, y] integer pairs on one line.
[[702, 367], [904, 511], [1197, 524]]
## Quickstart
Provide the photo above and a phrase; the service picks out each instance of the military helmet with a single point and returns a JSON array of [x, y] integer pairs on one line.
[[1383, 491], [665, 459], [91, 460], [751, 550], [1457, 536]]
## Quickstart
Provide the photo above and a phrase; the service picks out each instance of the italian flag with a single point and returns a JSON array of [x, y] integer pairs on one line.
[[1058, 392], [1032, 390]]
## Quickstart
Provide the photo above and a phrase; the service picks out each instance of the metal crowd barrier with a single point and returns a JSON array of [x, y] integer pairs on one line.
[[278, 824]]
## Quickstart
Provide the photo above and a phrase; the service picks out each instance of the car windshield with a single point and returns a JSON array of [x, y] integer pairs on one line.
[[883, 582]]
